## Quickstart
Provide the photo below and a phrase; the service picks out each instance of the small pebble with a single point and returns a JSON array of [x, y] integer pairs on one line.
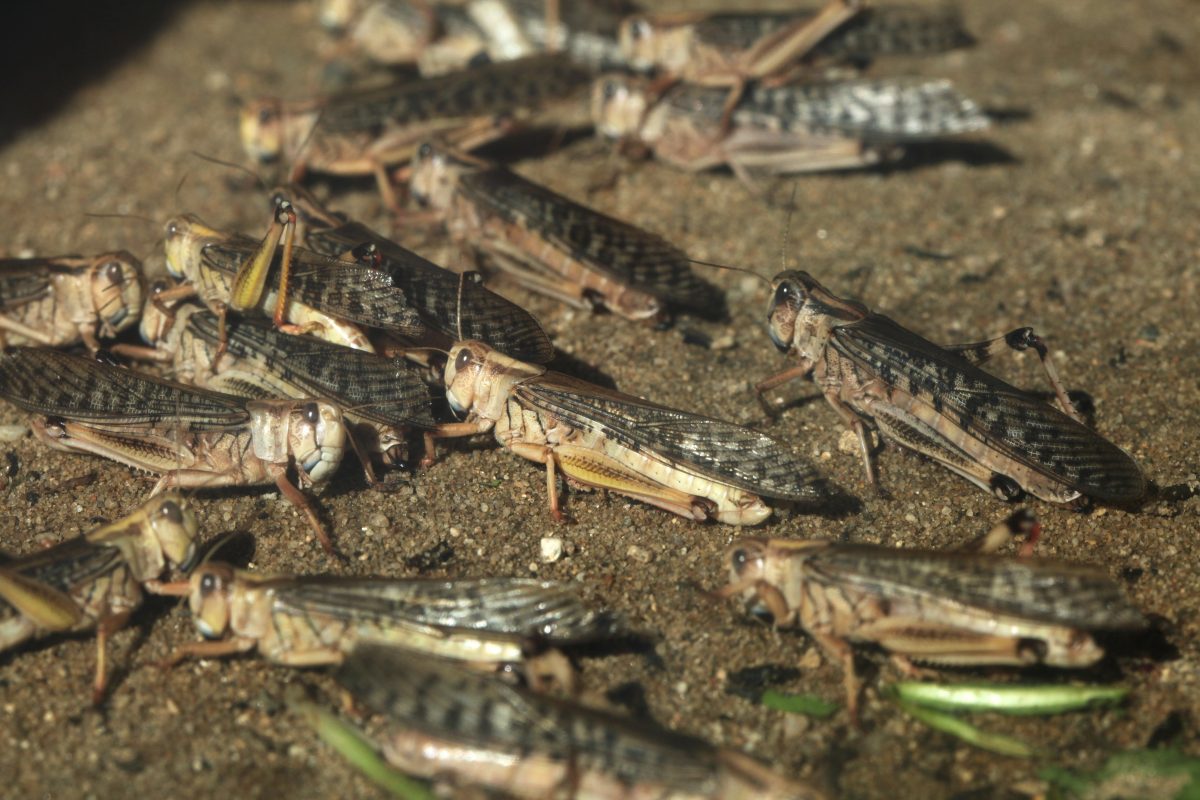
[[552, 549], [639, 554], [11, 433]]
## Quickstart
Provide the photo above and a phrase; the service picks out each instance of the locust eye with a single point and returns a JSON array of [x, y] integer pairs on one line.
[[463, 359], [265, 115], [172, 230], [639, 29], [311, 412], [112, 271], [209, 583], [739, 559], [610, 90], [171, 512], [788, 293], [424, 151]]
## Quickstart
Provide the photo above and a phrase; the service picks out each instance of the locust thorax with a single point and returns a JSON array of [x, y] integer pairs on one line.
[[211, 587], [310, 433], [479, 380], [618, 106], [116, 291], [435, 173], [163, 531], [271, 132], [647, 44]]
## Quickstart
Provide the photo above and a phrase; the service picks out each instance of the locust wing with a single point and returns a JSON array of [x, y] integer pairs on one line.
[[626, 254], [712, 448], [23, 281], [1016, 423], [44, 381], [60, 569], [438, 295], [447, 701], [1045, 591], [512, 606], [390, 391]]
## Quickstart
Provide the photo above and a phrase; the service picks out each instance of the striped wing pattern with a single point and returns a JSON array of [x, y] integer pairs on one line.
[[1014, 422], [713, 448], [43, 381], [1040, 590]]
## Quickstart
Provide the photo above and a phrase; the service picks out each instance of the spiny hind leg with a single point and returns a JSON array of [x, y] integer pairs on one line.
[[1020, 340], [543, 454]]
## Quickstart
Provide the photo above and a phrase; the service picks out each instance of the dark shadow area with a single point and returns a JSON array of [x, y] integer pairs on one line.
[[1008, 116], [921, 155], [531, 143], [52, 50]]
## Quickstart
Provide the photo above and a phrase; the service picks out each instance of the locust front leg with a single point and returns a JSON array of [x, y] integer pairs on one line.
[[1019, 341], [542, 454], [218, 649], [108, 625], [762, 387]]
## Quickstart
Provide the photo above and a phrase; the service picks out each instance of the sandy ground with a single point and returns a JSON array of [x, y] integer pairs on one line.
[[1076, 215]]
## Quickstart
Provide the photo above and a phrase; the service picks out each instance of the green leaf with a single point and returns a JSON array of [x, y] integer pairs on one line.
[[1009, 698], [1140, 774], [948, 723], [807, 704]]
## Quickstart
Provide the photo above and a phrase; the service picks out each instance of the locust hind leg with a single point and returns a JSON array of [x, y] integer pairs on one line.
[[1020, 340], [543, 454]]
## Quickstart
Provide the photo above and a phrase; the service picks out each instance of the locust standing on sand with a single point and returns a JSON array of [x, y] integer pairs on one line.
[[937, 401]]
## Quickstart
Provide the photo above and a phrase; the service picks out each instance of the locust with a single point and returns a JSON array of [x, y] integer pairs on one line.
[[726, 49], [228, 271], [467, 729], [194, 438], [447, 305], [95, 580], [62, 300], [439, 38], [382, 398], [367, 132], [694, 466], [942, 608], [315, 620], [553, 245], [828, 125], [937, 400]]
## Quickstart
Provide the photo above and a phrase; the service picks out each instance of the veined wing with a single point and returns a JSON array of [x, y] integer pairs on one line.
[[347, 291], [1014, 422], [434, 293], [1045, 591], [513, 606], [713, 448], [627, 254], [65, 566], [23, 280], [44, 381], [390, 391], [448, 701]]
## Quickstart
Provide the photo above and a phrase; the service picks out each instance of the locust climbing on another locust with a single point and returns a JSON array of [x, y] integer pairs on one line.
[[937, 401], [553, 245], [95, 580], [463, 728], [313, 620], [448, 307], [694, 466], [790, 129], [194, 438], [935, 607], [368, 132], [67, 299], [382, 398]]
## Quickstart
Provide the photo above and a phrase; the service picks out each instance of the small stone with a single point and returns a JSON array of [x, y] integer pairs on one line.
[[848, 442], [11, 433], [378, 521], [552, 549], [639, 554]]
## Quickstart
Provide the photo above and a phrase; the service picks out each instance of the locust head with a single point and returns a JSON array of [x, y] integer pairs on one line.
[[184, 239], [336, 15], [647, 43], [308, 433], [271, 132], [618, 106], [479, 379], [209, 598], [802, 314], [161, 532], [436, 169], [116, 291]]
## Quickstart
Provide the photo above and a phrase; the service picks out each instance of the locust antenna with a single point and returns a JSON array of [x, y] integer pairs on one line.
[[731, 268], [462, 282], [239, 167], [787, 228]]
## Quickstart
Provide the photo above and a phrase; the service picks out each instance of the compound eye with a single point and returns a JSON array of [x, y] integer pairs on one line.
[[424, 151], [171, 512], [209, 584], [113, 273], [640, 29], [739, 559], [610, 90], [463, 360], [265, 115], [311, 412]]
